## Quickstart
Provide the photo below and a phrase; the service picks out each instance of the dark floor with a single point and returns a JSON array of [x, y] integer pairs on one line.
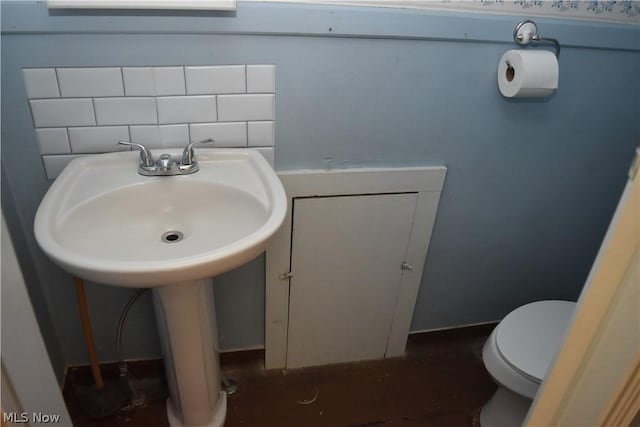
[[440, 382]]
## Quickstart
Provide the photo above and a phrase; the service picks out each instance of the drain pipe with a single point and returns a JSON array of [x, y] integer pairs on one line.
[[135, 398]]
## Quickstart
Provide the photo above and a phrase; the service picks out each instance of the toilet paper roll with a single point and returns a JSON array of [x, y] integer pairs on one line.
[[531, 73]]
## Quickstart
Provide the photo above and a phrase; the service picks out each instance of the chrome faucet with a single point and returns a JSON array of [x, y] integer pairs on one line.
[[167, 165]]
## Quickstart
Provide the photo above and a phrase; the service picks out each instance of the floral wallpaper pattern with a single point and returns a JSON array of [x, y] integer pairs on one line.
[[615, 11], [619, 11]]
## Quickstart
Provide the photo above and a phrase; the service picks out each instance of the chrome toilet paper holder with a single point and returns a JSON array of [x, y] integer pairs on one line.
[[526, 32]]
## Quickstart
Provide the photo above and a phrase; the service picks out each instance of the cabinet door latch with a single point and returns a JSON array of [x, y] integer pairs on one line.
[[285, 276]]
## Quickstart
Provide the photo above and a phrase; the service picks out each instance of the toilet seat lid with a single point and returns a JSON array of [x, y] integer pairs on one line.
[[530, 336]]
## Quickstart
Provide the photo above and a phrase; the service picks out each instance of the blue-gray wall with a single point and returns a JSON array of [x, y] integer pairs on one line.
[[531, 184]]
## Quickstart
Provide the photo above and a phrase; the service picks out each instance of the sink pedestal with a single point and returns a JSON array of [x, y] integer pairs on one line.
[[188, 332]]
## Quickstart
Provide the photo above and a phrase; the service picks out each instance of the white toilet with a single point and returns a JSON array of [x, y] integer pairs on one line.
[[518, 354]]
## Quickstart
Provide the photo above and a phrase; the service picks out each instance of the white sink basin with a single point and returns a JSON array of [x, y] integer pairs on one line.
[[102, 221]]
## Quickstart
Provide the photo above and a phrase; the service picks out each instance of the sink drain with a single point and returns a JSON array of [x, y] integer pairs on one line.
[[171, 236]]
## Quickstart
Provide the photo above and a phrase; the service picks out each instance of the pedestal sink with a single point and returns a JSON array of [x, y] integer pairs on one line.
[[102, 221]]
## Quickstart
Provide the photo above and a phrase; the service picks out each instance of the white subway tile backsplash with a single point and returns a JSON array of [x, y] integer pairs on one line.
[[269, 154], [53, 141], [169, 80], [53, 165], [41, 82], [138, 81], [88, 110], [187, 109], [62, 112], [86, 82], [261, 78], [124, 111], [213, 80], [165, 136], [224, 134], [261, 134], [234, 108], [153, 81], [98, 139]]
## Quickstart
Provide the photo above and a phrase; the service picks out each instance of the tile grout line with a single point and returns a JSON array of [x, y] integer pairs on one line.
[[217, 111], [66, 131], [124, 91], [95, 126], [95, 113], [155, 107], [156, 99], [184, 79], [150, 124], [246, 89], [58, 86], [199, 95]]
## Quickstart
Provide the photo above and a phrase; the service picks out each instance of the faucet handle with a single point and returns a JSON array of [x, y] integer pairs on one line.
[[187, 154], [146, 159]]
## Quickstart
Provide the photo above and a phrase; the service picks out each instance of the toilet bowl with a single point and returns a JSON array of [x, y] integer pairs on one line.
[[518, 354]]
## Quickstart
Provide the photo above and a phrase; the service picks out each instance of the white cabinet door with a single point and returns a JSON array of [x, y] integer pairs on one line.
[[346, 262]]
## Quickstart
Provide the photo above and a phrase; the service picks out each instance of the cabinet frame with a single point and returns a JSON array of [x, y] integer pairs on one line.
[[426, 181]]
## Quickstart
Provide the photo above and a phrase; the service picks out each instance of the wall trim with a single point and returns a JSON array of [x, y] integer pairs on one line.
[[449, 328], [241, 349], [147, 359], [280, 19]]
